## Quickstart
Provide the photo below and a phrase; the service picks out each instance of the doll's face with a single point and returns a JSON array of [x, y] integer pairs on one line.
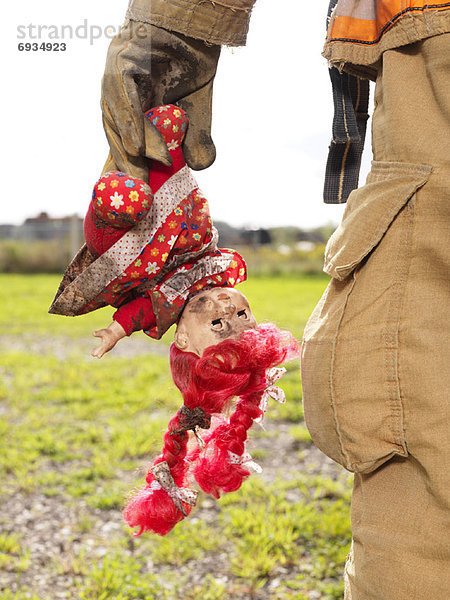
[[211, 317]]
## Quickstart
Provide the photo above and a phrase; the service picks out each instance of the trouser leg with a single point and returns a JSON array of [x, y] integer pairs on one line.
[[400, 512]]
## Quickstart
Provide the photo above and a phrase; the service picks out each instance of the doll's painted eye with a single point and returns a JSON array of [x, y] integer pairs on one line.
[[242, 314], [217, 324]]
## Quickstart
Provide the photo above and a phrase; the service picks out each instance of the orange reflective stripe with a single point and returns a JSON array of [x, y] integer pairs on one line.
[[370, 31], [355, 29]]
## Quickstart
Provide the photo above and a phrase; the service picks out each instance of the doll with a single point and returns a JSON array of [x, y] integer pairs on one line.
[[148, 246], [151, 252]]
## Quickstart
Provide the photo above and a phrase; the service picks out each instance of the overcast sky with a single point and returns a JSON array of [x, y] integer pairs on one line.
[[272, 115]]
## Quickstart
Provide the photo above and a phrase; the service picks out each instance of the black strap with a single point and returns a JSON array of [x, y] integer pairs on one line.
[[351, 101]]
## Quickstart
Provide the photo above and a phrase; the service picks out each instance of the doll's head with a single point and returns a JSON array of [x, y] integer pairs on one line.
[[212, 316]]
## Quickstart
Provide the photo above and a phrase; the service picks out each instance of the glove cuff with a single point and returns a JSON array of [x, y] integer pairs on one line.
[[222, 23]]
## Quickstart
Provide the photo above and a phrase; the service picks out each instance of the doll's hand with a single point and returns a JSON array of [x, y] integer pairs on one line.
[[147, 66], [109, 336]]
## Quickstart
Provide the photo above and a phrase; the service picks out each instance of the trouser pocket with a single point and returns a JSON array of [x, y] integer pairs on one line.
[[351, 392]]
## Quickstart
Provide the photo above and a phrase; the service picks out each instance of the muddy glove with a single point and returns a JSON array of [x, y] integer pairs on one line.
[[147, 66]]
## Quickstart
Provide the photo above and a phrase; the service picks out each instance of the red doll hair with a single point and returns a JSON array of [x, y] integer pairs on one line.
[[208, 385]]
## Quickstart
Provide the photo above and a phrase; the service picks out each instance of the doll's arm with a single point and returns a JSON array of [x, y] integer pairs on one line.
[[132, 316], [109, 336], [136, 315]]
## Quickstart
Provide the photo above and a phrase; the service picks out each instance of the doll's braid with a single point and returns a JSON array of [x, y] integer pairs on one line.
[[214, 470], [151, 508], [175, 449]]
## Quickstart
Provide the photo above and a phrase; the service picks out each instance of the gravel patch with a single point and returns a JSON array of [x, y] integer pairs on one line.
[[51, 528], [64, 347]]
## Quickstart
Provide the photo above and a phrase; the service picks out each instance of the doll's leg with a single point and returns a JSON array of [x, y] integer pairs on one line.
[[118, 203], [121, 200]]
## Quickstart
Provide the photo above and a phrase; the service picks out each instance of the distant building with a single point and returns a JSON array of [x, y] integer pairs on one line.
[[44, 227], [256, 237], [229, 236], [7, 231], [309, 237], [305, 246]]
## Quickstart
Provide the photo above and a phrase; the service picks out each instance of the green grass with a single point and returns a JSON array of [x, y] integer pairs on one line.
[[12, 555], [76, 430], [25, 300], [93, 416], [311, 530], [286, 301]]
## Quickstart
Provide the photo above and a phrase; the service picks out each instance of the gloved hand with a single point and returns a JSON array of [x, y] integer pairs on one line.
[[147, 66]]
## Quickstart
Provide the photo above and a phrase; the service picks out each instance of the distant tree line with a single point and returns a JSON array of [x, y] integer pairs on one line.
[[46, 244]]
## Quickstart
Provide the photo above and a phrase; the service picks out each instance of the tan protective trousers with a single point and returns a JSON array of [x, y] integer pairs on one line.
[[375, 364]]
